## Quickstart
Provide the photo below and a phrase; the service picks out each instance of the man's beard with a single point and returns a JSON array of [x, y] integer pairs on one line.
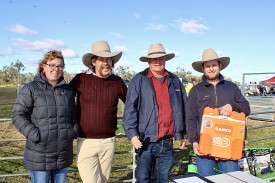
[[212, 77], [105, 67]]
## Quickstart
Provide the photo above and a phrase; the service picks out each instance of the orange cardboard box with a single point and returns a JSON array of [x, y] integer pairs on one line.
[[221, 136]]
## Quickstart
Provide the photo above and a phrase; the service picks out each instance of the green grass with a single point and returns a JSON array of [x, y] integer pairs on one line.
[[120, 129], [9, 149]]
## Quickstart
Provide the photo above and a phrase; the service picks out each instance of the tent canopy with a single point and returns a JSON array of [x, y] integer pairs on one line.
[[270, 82], [184, 81]]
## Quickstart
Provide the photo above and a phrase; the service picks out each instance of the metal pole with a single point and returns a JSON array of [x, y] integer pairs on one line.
[[18, 82], [134, 165], [245, 132], [243, 84]]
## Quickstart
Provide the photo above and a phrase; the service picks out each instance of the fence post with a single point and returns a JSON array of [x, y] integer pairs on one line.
[[18, 82], [134, 165]]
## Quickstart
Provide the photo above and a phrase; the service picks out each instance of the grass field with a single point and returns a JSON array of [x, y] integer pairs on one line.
[[13, 149]]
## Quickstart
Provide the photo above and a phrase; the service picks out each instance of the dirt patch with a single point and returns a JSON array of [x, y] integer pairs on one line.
[[8, 130]]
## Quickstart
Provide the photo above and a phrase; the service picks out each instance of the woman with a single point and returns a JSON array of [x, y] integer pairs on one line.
[[45, 113]]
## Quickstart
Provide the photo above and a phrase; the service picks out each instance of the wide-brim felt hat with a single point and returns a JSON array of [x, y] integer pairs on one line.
[[155, 51], [210, 55], [100, 49]]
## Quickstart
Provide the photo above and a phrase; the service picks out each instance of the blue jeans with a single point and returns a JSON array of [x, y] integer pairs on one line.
[[157, 157], [53, 176], [206, 165]]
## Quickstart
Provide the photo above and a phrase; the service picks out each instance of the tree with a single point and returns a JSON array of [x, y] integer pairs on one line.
[[187, 75], [9, 73], [181, 73], [124, 73], [26, 77], [68, 76]]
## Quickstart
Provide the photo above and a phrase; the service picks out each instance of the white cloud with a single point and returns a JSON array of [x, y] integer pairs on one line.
[[30, 62], [144, 51], [156, 27], [220, 53], [191, 26], [137, 16], [87, 46], [8, 52], [119, 36], [124, 64], [44, 45], [121, 48], [67, 53], [20, 29], [172, 24], [197, 55], [155, 17], [238, 66], [175, 52]]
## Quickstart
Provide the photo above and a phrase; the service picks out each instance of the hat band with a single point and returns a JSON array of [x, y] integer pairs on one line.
[[102, 51], [156, 53]]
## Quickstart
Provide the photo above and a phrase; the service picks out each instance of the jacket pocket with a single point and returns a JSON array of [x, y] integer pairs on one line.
[[204, 101], [72, 134]]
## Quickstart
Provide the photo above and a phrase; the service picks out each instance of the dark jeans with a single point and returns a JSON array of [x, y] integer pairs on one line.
[[155, 157], [206, 165]]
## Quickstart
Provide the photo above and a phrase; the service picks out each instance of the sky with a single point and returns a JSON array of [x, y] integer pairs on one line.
[[243, 30]]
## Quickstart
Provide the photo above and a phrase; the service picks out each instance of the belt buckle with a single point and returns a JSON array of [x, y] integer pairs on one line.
[[165, 137]]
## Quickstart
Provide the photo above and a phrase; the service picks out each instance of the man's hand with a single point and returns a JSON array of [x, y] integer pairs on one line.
[[136, 142], [196, 148], [225, 110], [182, 143]]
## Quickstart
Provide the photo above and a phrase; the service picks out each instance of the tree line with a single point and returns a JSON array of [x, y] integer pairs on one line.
[[9, 74]]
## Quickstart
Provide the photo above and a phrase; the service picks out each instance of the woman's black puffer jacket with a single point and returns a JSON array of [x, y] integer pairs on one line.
[[46, 116]]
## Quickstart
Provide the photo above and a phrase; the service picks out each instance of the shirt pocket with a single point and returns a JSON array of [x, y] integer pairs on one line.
[[203, 101]]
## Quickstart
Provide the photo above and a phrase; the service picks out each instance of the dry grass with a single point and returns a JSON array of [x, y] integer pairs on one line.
[[261, 133], [11, 149], [7, 130]]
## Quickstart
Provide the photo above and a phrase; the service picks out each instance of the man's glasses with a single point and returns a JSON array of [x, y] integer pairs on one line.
[[52, 66]]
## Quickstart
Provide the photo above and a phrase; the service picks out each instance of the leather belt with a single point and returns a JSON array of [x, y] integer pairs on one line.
[[166, 137]]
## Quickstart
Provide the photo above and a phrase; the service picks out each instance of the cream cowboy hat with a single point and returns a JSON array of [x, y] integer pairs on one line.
[[100, 49], [210, 55], [155, 51]]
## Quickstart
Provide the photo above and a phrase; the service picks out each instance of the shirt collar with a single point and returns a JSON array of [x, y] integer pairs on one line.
[[220, 78], [150, 74], [91, 72]]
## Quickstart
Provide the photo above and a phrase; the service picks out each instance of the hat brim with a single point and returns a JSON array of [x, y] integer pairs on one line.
[[169, 56], [86, 59], [198, 64]]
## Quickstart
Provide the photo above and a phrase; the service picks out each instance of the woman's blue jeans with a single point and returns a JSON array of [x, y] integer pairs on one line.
[[206, 165], [53, 176], [155, 157]]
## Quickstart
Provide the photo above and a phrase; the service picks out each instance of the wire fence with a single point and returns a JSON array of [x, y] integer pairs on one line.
[[5, 111], [129, 166], [258, 127]]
